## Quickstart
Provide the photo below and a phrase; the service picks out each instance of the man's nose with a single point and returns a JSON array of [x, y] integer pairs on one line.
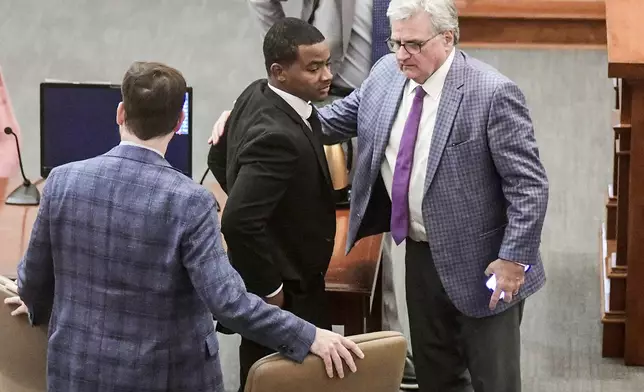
[[326, 74], [402, 54]]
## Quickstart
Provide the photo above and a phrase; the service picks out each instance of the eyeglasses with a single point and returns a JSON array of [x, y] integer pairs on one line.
[[411, 47]]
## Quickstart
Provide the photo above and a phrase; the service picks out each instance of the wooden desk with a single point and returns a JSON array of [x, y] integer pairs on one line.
[[15, 227], [352, 281]]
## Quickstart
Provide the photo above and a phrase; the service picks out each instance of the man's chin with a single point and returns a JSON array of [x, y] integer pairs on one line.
[[322, 95], [409, 72]]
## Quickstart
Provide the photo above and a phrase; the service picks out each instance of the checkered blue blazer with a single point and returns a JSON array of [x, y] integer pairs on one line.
[[486, 191], [126, 253]]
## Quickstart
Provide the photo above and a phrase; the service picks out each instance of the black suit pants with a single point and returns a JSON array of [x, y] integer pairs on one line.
[[454, 352]]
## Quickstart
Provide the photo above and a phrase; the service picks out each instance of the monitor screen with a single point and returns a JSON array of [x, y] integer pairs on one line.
[[78, 122]]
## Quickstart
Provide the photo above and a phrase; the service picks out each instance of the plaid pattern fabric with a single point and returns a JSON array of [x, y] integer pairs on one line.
[[380, 29], [486, 191], [130, 251]]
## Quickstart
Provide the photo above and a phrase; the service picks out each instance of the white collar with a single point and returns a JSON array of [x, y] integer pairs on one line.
[[128, 143], [434, 84], [300, 106]]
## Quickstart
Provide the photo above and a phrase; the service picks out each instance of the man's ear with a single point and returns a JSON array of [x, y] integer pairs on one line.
[[178, 125], [277, 71], [120, 114], [449, 37]]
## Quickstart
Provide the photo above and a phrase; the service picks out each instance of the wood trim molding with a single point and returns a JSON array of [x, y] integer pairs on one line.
[[533, 23], [625, 30], [533, 9]]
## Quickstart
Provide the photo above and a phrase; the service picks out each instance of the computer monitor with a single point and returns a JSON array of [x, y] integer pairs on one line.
[[78, 122]]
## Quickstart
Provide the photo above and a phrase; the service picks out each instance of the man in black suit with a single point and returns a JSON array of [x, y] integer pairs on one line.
[[279, 220]]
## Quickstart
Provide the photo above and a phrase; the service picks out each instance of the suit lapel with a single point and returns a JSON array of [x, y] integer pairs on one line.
[[385, 122], [447, 109], [312, 138]]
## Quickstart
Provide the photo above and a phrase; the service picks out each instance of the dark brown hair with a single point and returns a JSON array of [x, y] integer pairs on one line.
[[153, 96]]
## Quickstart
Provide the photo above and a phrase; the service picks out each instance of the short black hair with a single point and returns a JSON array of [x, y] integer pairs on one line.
[[284, 37]]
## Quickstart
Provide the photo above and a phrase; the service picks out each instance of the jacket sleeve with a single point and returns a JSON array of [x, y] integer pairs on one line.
[[36, 269], [217, 159], [340, 118], [525, 185], [266, 165], [223, 291]]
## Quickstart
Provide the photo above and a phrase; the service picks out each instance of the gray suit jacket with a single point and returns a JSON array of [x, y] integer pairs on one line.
[[323, 14], [486, 191], [127, 256]]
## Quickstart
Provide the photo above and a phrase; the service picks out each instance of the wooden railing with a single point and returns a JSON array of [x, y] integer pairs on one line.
[[622, 244], [533, 23]]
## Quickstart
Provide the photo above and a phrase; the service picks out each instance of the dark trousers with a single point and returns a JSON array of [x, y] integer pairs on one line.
[[454, 352], [306, 300]]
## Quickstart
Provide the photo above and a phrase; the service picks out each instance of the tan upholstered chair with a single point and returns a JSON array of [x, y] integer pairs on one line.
[[23, 349], [381, 369]]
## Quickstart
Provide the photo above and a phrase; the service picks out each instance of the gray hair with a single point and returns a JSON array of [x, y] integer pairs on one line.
[[443, 14]]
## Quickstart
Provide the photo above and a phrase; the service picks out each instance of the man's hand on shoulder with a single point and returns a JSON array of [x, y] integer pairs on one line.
[[218, 128], [510, 276], [334, 349]]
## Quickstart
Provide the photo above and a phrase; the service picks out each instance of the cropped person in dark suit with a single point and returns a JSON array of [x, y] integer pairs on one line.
[[279, 220], [126, 262]]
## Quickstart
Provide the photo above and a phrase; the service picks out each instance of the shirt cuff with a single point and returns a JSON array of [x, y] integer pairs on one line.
[[274, 293]]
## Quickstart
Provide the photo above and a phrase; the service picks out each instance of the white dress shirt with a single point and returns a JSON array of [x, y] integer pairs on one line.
[[128, 143], [433, 86], [301, 107]]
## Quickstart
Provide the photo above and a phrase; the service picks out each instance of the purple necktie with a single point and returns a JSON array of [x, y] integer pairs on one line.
[[402, 173]]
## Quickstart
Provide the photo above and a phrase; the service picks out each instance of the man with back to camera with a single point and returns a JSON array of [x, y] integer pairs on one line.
[[447, 159], [279, 220], [126, 260]]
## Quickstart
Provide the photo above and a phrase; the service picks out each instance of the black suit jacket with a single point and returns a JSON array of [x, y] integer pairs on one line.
[[279, 220]]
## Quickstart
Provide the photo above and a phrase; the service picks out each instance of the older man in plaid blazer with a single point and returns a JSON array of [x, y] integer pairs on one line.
[[447, 160], [126, 257]]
